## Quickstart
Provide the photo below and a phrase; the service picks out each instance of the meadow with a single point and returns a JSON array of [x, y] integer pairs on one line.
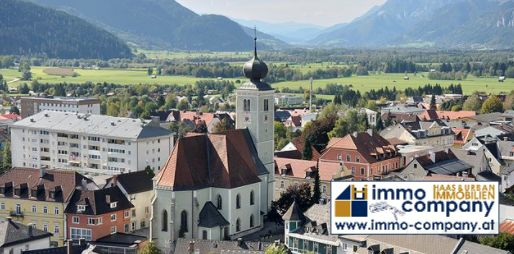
[[361, 83], [117, 76]]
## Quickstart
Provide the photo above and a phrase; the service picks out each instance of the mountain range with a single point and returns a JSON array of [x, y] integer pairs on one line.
[[163, 24], [29, 29], [480, 24]]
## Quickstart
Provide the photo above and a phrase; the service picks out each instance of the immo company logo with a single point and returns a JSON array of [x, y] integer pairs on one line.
[[414, 208], [352, 202]]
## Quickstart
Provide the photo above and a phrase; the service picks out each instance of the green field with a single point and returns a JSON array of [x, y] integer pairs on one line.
[[377, 81], [361, 83], [117, 76]]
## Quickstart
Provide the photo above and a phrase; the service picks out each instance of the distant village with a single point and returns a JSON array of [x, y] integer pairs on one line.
[[76, 181]]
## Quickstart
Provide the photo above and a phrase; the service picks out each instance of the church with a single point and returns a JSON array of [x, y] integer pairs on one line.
[[220, 186]]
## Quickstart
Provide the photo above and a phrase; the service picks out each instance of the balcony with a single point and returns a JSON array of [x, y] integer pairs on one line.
[[16, 214]]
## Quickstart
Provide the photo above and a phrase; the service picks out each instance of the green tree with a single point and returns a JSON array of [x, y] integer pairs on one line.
[[472, 103], [150, 248], [149, 171], [351, 122], [180, 129], [183, 105], [379, 125], [301, 193], [492, 104], [24, 88], [149, 71], [307, 150], [280, 135], [504, 241], [316, 194], [14, 110], [222, 126], [433, 104], [276, 249]]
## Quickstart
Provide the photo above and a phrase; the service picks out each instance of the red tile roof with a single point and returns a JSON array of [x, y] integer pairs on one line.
[[462, 136], [369, 146], [331, 170], [300, 144], [10, 116], [226, 160], [507, 226], [446, 115], [293, 167]]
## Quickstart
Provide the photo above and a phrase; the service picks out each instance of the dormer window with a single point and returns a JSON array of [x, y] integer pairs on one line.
[[114, 204], [51, 194], [81, 208], [33, 193]]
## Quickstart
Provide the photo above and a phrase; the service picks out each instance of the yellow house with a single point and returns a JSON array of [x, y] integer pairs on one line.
[[39, 197]]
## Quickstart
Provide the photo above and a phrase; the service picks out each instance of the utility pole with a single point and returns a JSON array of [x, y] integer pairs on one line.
[[310, 96]]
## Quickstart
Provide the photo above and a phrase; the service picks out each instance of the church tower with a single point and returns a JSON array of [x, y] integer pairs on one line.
[[255, 108]]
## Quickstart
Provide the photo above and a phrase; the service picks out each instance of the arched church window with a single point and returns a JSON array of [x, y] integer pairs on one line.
[[183, 221], [238, 201], [251, 198], [219, 202], [164, 220]]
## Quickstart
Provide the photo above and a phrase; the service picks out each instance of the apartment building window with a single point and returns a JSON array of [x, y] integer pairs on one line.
[[238, 201], [113, 229], [362, 171], [348, 157], [2, 206], [113, 217], [34, 209], [61, 143], [45, 227], [95, 157], [74, 145], [56, 229], [126, 214], [134, 212], [56, 210], [353, 170], [62, 152], [96, 139], [75, 219], [266, 105], [45, 209], [126, 228], [78, 233], [94, 148], [18, 209], [44, 133], [62, 135], [357, 159]]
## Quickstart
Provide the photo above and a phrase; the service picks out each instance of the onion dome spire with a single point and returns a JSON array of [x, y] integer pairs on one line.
[[255, 69]]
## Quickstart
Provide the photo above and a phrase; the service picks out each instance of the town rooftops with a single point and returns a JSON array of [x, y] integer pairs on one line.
[[133, 182], [98, 201], [294, 167], [294, 213], [13, 233], [120, 240], [198, 246], [87, 124], [446, 115], [42, 185], [444, 163], [64, 99], [226, 160]]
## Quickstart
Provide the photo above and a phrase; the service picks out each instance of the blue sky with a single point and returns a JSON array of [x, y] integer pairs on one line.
[[319, 12]]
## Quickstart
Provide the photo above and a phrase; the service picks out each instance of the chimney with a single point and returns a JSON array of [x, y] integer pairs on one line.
[[42, 172], [432, 156], [191, 248]]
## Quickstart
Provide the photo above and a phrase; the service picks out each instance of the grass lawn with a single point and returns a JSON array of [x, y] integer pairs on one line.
[[377, 81], [117, 76]]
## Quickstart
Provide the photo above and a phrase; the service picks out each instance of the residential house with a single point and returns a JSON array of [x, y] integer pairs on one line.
[[16, 237], [424, 133], [294, 150], [308, 233], [494, 130], [294, 123], [282, 116], [94, 144], [490, 149], [436, 163], [366, 154], [398, 117], [370, 115], [92, 214], [39, 197], [138, 188], [462, 136]]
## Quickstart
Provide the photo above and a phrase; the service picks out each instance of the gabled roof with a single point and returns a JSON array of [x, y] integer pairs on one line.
[[98, 201], [120, 239], [210, 217], [226, 160], [294, 213], [64, 182], [369, 145], [133, 182], [12, 233], [446, 163], [293, 167]]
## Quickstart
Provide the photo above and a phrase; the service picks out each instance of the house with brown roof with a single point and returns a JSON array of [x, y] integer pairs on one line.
[[39, 197], [92, 214], [138, 189], [435, 163], [366, 154]]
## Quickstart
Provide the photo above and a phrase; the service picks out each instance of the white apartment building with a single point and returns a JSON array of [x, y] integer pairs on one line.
[[90, 144], [34, 105]]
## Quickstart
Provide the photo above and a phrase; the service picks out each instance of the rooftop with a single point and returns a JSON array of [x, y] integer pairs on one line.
[[87, 124], [98, 201], [12, 233], [133, 182]]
